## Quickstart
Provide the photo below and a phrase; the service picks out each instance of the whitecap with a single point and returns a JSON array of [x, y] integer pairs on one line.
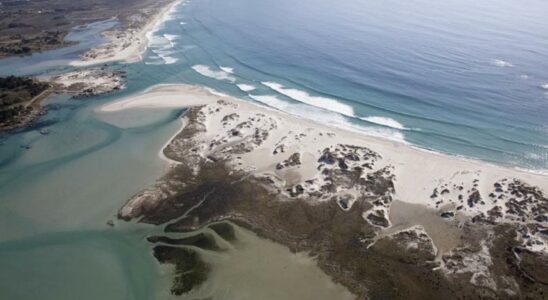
[[501, 63], [245, 87], [170, 59], [227, 69], [544, 86], [170, 37], [384, 121], [166, 55], [160, 24], [158, 41], [532, 155], [302, 96], [216, 93], [271, 101], [182, 23], [157, 62], [208, 72], [328, 117]]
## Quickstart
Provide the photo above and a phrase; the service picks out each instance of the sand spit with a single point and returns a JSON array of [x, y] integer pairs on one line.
[[129, 43], [331, 192]]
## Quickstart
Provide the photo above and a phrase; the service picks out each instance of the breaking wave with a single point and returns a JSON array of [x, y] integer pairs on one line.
[[245, 87], [215, 74], [384, 121], [302, 96], [227, 69], [328, 117]]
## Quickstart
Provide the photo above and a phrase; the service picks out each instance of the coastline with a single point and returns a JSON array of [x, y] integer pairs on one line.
[[343, 196], [171, 96], [380, 218], [170, 162], [129, 44]]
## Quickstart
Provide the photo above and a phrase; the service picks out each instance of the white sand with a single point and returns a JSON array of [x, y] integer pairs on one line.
[[417, 171], [163, 96], [97, 79], [127, 46]]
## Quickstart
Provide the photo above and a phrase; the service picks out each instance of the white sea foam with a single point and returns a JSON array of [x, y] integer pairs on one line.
[[328, 117], [160, 24], [154, 62], [544, 86], [501, 63], [208, 72], [245, 87], [524, 76], [158, 41], [385, 122], [217, 93], [271, 101], [170, 13], [227, 69], [182, 23], [532, 155], [302, 96], [162, 41], [170, 37], [163, 47], [165, 53], [170, 59]]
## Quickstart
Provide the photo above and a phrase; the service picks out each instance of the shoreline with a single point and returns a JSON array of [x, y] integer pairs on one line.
[[341, 196], [166, 96], [170, 162], [138, 42]]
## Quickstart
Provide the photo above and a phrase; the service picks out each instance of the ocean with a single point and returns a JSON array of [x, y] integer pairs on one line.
[[466, 78]]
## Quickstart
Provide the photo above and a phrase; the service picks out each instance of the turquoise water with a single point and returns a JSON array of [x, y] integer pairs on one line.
[[460, 77], [58, 196]]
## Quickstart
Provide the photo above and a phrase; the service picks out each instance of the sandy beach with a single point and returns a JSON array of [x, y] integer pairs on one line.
[[418, 171], [290, 173], [128, 44]]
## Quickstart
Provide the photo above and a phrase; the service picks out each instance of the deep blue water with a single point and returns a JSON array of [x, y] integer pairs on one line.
[[462, 77]]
